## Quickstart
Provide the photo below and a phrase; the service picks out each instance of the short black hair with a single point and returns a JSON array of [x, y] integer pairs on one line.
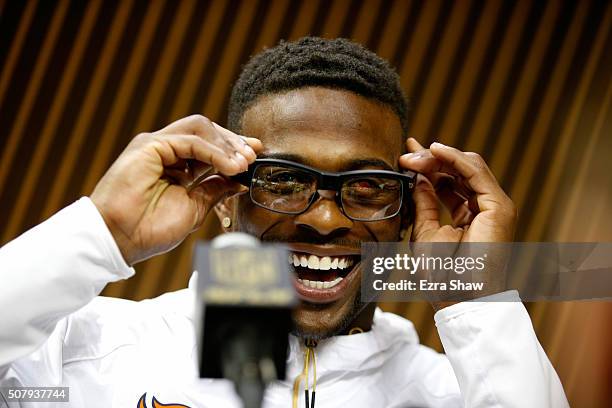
[[312, 61]]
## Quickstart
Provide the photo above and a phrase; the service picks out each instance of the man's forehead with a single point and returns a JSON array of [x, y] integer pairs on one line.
[[323, 122], [314, 106]]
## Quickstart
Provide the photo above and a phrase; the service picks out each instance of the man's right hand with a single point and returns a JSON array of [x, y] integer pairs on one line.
[[146, 197]]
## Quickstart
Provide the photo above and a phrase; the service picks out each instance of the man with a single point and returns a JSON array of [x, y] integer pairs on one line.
[[327, 104]]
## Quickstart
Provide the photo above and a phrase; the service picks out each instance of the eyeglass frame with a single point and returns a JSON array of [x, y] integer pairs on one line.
[[327, 180]]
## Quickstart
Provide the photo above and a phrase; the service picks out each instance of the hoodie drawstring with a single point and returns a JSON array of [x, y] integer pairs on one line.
[[309, 355]]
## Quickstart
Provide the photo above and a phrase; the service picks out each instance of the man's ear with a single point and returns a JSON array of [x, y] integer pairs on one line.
[[225, 210]]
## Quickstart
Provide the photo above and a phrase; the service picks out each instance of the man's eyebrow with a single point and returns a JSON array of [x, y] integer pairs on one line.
[[354, 164], [357, 164], [283, 156]]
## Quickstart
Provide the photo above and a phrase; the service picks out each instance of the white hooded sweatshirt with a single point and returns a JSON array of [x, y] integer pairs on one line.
[[56, 331]]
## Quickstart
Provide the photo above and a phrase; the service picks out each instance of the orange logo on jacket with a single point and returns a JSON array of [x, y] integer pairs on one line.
[[156, 404]]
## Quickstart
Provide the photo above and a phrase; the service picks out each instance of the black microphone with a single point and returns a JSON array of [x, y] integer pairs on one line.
[[245, 299]]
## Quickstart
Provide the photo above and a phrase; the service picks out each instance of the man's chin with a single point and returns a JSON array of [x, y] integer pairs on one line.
[[318, 321], [314, 333]]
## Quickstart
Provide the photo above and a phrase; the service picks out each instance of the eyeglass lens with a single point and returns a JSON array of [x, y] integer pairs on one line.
[[290, 190]]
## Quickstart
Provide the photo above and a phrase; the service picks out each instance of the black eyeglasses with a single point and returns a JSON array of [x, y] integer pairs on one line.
[[290, 188]]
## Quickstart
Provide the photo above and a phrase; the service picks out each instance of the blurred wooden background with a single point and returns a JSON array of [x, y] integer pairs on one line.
[[525, 83]]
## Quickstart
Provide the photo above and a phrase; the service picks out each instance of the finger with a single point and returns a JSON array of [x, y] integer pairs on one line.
[[230, 143], [202, 126], [250, 145], [441, 181], [423, 161], [413, 145], [236, 142], [457, 204], [190, 125], [445, 190], [174, 147], [470, 166], [427, 214], [255, 143], [450, 188], [477, 177], [444, 159]]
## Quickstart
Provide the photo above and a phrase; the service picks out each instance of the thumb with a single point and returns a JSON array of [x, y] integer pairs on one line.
[[427, 214], [212, 190]]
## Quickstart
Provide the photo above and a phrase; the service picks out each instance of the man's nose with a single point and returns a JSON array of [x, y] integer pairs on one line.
[[324, 216]]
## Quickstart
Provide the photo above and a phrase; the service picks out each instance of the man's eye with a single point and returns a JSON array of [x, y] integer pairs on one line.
[[363, 184], [371, 188], [367, 185], [283, 182], [284, 177]]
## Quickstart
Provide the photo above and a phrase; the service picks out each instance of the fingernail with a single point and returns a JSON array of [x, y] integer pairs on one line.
[[242, 160], [438, 144], [414, 156], [249, 149]]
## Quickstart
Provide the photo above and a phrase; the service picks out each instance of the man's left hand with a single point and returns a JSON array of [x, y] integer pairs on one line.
[[480, 210]]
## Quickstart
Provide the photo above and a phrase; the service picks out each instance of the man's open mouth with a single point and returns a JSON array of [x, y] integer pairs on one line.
[[321, 272], [322, 278]]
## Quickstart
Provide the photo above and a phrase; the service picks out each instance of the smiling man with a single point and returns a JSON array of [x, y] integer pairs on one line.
[[317, 131], [334, 130]]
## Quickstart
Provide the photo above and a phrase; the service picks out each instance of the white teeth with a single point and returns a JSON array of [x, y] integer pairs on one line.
[[313, 262], [325, 263], [320, 284], [346, 262]]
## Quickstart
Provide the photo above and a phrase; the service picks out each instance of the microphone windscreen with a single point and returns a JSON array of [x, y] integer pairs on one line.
[[235, 239]]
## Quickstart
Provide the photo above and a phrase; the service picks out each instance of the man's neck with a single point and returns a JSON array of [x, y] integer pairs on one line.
[[363, 320]]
